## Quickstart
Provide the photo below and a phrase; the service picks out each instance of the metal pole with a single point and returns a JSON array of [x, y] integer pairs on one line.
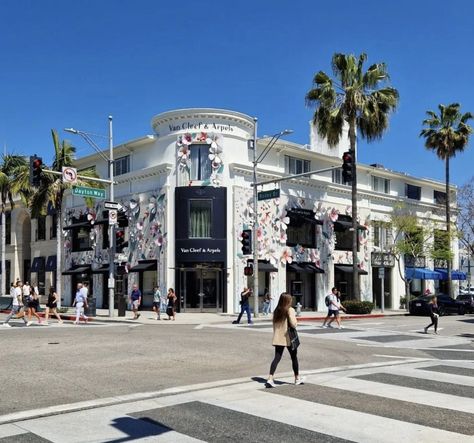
[[111, 282], [468, 264], [255, 223], [382, 284]]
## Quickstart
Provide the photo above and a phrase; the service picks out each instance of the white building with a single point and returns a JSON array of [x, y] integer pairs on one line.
[[186, 194]]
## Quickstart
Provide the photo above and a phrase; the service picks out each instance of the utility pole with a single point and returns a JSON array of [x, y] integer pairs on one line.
[[255, 222]]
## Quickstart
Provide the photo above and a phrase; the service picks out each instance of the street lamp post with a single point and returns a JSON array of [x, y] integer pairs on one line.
[[110, 162], [256, 160]]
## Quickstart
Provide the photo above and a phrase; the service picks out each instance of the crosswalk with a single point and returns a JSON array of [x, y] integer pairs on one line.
[[406, 400]]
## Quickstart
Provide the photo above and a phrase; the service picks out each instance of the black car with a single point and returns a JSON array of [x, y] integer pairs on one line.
[[446, 305], [468, 301]]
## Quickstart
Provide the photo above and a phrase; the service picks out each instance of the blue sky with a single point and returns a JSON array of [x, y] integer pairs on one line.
[[72, 63]]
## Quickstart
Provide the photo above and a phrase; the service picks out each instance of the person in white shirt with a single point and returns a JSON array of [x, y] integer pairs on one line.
[[334, 306], [80, 302], [17, 304]]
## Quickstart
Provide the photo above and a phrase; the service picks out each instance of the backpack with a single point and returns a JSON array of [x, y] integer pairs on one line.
[[327, 301]]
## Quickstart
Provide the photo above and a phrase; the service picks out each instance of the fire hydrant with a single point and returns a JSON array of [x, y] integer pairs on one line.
[[298, 309]]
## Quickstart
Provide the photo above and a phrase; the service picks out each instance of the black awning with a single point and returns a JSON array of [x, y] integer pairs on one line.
[[85, 269], [144, 265], [102, 269], [51, 263], [77, 226], [38, 264], [349, 269], [305, 215], [264, 266], [304, 267]]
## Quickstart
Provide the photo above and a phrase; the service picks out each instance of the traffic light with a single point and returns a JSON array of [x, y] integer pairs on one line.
[[246, 241], [347, 164], [35, 170], [248, 270], [120, 242]]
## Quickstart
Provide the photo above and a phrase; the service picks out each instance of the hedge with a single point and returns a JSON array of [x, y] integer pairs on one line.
[[358, 307]]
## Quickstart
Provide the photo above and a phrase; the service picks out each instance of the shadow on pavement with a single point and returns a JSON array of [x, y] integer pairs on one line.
[[138, 428]]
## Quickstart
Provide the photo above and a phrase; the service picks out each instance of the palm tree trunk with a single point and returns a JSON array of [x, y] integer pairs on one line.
[[448, 228], [4, 244], [59, 238], [355, 268]]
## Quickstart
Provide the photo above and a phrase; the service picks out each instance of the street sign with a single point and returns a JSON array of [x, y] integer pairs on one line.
[[112, 216], [381, 272], [69, 175], [88, 192], [111, 205], [267, 195]]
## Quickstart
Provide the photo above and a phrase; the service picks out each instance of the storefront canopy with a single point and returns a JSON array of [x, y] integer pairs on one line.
[[145, 265], [38, 264], [264, 266], [455, 275], [422, 274], [51, 264], [349, 269], [78, 270], [304, 267]]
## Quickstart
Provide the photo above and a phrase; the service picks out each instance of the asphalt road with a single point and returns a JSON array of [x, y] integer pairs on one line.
[[46, 366]]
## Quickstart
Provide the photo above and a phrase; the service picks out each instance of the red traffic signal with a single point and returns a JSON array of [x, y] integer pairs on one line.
[[246, 240], [36, 164], [248, 270], [347, 165]]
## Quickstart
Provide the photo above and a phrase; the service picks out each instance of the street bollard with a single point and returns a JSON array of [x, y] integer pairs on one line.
[[298, 309]]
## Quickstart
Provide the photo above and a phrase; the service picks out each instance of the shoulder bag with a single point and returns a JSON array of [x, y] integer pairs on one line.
[[294, 339]]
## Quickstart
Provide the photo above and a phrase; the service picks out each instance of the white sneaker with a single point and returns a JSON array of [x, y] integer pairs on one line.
[[300, 381], [29, 323], [7, 325], [324, 326], [45, 323], [270, 384], [341, 327]]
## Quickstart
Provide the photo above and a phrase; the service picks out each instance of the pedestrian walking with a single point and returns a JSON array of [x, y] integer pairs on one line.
[[171, 308], [157, 302], [52, 306], [284, 317], [80, 302], [32, 303], [135, 300], [244, 306], [267, 302], [333, 302], [434, 315], [17, 305]]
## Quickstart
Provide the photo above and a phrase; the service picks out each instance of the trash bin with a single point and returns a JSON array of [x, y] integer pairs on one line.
[[91, 310], [122, 306]]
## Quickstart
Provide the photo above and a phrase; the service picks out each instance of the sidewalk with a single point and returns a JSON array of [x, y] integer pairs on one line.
[[198, 318]]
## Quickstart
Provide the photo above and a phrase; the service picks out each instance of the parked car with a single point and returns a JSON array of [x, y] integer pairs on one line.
[[446, 305], [468, 301]]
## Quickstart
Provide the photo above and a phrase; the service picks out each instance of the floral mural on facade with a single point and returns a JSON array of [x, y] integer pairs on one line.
[[215, 143]]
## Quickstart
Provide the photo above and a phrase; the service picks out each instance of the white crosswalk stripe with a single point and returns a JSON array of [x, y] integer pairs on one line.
[[339, 404]]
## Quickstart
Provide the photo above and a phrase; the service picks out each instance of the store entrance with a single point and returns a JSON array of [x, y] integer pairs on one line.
[[200, 289]]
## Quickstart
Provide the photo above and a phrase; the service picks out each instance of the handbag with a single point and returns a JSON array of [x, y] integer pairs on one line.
[[294, 339]]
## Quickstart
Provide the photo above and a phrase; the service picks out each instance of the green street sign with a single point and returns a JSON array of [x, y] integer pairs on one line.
[[267, 195], [88, 192]]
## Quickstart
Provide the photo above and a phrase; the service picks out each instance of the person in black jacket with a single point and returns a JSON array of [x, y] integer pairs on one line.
[[434, 314], [244, 306]]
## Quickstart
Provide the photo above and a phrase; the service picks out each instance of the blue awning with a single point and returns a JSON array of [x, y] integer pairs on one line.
[[455, 275], [422, 274]]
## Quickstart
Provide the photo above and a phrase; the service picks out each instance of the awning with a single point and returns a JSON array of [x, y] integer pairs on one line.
[[264, 266], [77, 226], [422, 274], [349, 269], [304, 215], [38, 264], [455, 275], [144, 265], [51, 264], [304, 267], [85, 269], [102, 269]]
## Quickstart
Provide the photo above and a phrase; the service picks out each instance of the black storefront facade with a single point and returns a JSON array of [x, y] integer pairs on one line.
[[201, 248]]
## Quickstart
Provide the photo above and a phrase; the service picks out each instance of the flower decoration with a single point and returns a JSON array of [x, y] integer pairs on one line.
[[334, 215], [299, 253], [282, 221], [286, 256], [271, 256]]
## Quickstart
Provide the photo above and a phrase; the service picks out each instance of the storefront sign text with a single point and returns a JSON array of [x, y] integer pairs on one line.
[[201, 126]]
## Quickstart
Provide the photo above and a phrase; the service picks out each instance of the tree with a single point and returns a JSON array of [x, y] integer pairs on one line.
[[52, 191], [465, 217], [447, 134], [357, 99], [10, 165]]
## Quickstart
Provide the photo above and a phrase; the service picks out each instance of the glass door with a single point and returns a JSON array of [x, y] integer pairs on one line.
[[200, 289]]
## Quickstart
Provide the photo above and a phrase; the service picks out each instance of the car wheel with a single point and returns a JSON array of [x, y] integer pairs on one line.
[[441, 311], [461, 310]]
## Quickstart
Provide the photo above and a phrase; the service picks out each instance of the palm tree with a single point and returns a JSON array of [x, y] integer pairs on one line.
[[357, 99], [447, 134], [11, 164], [52, 191]]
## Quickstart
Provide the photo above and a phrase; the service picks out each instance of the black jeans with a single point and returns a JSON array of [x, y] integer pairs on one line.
[[279, 353], [434, 322]]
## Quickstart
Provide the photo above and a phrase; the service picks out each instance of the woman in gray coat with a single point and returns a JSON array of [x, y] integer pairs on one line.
[[283, 316]]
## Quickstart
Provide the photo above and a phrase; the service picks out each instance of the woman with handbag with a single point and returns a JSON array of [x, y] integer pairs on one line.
[[170, 310], [33, 304], [284, 336], [434, 314]]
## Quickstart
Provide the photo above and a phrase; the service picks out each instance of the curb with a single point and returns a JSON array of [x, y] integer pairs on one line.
[[353, 317]]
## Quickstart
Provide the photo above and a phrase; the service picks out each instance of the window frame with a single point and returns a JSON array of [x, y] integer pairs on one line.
[[290, 228], [304, 164], [41, 228], [76, 246], [380, 182], [211, 213], [124, 167], [409, 186], [203, 156], [439, 197], [344, 232]]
